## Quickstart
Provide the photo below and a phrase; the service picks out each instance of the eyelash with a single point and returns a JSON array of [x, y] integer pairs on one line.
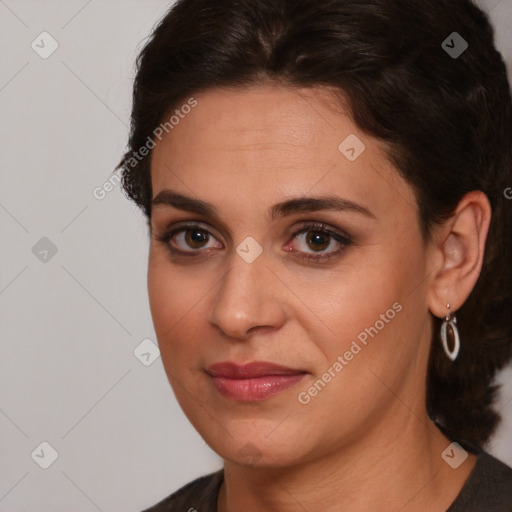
[[320, 227]]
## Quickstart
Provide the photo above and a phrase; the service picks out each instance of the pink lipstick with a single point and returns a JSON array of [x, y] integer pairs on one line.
[[253, 381]]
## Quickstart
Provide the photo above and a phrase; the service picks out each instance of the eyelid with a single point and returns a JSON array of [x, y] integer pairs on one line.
[[321, 226], [188, 224], [294, 229]]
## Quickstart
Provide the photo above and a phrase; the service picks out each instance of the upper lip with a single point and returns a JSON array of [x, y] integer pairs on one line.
[[253, 369]]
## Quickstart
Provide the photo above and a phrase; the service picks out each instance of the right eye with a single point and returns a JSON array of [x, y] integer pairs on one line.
[[188, 240]]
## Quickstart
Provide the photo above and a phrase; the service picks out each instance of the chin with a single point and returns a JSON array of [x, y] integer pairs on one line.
[[250, 447]]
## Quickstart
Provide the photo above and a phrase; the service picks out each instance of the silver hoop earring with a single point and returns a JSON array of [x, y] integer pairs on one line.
[[452, 322]]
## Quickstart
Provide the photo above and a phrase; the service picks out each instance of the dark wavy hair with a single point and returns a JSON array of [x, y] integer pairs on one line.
[[446, 122]]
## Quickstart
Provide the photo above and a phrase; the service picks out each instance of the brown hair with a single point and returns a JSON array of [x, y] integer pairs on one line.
[[446, 120]]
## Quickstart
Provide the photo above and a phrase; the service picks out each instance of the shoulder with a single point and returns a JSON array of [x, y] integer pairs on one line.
[[488, 487], [198, 495]]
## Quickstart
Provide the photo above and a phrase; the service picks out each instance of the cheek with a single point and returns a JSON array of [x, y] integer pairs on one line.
[[374, 303], [175, 298]]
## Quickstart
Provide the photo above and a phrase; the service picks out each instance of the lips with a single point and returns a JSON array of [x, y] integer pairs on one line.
[[250, 370], [253, 381]]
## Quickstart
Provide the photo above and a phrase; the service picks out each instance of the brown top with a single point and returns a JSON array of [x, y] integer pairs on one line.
[[487, 489]]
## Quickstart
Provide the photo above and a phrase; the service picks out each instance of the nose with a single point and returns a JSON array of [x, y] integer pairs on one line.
[[250, 298]]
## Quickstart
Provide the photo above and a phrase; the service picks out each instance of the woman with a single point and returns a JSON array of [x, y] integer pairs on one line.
[[324, 186]]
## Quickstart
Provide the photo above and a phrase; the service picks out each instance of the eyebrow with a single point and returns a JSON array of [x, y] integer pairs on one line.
[[168, 197]]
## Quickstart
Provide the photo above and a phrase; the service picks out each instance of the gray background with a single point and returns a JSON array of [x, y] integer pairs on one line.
[[71, 321]]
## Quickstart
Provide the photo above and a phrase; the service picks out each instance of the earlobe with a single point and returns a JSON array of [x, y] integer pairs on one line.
[[462, 253]]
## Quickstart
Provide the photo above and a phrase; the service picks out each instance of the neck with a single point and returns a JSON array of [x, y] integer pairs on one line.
[[402, 470]]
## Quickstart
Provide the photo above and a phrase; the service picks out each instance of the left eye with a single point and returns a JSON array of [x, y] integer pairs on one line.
[[318, 238]]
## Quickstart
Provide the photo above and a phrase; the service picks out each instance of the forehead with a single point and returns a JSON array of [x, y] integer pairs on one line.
[[266, 114], [270, 141]]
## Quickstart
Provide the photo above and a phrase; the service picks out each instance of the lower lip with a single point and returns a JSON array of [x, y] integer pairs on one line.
[[255, 389]]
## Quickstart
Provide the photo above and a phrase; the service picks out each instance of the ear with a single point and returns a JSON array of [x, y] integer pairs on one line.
[[457, 253]]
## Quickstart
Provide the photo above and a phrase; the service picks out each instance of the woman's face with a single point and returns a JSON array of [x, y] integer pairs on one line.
[[342, 302]]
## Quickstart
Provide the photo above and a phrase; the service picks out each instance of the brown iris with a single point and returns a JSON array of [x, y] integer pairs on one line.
[[196, 238], [319, 239]]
